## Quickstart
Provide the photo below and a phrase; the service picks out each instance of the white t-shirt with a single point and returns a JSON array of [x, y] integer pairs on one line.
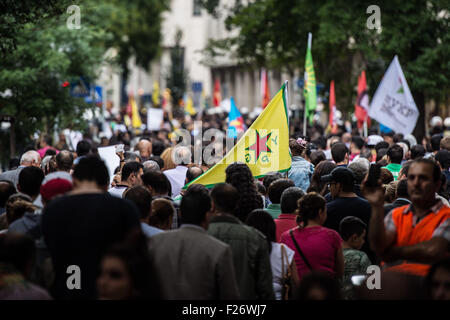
[[117, 191], [275, 261]]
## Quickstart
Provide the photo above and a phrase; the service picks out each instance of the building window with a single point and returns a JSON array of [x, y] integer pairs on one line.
[[197, 8]]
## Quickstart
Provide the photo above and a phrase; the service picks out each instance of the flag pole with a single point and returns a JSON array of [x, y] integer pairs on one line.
[[365, 128], [306, 77]]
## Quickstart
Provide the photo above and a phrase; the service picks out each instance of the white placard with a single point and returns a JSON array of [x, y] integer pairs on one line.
[[112, 161], [154, 119]]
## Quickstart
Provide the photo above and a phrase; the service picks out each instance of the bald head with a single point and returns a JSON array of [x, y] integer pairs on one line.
[[30, 158], [145, 148], [193, 173], [64, 160]]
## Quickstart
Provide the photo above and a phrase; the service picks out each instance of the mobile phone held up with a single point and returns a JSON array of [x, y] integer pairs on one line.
[[119, 148], [374, 175]]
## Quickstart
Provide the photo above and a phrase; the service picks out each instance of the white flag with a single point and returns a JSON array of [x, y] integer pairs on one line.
[[393, 105]]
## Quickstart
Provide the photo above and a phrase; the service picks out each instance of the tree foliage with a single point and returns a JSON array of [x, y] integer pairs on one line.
[[40, 53]]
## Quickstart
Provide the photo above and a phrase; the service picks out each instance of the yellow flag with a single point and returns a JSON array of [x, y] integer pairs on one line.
[[135, 117], [189, 108], [155, 94], [264, 147]]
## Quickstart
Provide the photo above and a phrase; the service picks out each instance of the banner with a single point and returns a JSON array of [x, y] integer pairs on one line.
[[393, 104]]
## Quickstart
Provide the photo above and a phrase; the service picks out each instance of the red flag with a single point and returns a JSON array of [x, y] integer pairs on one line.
[[217, 97], [332, 120], [264, 88], [362, 102]]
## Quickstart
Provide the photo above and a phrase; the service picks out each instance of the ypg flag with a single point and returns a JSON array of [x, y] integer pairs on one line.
[[264, 147]]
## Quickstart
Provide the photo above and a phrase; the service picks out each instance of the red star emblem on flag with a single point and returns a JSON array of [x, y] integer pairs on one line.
[[260, 145]]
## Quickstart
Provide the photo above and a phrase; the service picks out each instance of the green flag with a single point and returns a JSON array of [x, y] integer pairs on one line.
[[310, 85]]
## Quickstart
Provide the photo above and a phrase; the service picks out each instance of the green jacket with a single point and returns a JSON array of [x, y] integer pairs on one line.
[[250, 256], [274, 210], [394, 168]]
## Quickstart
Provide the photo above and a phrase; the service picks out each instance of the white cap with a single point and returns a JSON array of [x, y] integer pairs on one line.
[[447, 122], [372, 140], [412, 140], [436, 121]]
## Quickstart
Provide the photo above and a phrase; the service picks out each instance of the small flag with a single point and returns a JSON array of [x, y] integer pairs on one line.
[[264, 147], [235, 121], [332, 120], [135, 116], [189, 106], [362, 102], [155, 94], [217, 96], [393, 104], [310, 90], [264, 88]]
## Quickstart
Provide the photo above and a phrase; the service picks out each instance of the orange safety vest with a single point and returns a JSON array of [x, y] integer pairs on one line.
[[407, 235]]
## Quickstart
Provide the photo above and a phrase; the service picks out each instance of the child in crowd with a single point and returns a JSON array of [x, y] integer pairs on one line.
[[353, 232]]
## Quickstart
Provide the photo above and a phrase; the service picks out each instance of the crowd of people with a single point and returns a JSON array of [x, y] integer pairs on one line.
[[70, 231]]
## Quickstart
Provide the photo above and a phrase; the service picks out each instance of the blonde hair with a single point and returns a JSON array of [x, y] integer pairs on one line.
[[167, 156]]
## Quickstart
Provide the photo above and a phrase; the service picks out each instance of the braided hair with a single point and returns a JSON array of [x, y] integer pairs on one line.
[[240, 177]]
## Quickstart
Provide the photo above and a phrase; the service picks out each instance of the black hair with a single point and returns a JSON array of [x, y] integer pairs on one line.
[[417, 151], [14, 163], [402, 189], [18, 250], [157, 181], [434, 165], [83, 148], [441, 264], [436, 141], [358, 141], [322, 280], [351, 225], [271, 177], [277, 187], [7, 189], [195, 203], [240, 177], [91, 168], [157, 148], [30, 179], [131, 156], [134, 255], [289, 199], [338, 152], [260, 187], [317, 185], [381, 145], [50, 152], [309, 206], [141, 197], [261, 220], [64, 160], [225, 197], [129, 168], [317, 157], [193, 172], [395, 153], [397, 137], [162, 210]]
